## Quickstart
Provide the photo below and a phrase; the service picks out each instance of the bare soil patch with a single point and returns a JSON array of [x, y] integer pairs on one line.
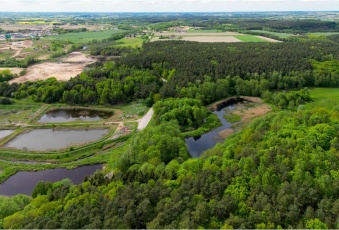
[[70, 66], [61, 71], [226, 133], [248, 114], [78, 57]]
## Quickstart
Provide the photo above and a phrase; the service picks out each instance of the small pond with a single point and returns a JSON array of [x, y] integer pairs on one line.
[[24, 182], [50, 139], [68, 115], [5, 133], [197, 145]]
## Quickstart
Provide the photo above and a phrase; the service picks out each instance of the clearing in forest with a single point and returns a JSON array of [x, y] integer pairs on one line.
[[70, 66]]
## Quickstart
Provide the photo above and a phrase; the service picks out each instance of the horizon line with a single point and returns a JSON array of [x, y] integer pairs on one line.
[[256, 11]]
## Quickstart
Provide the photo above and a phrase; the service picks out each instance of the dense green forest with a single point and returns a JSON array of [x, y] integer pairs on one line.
[[280, 171]]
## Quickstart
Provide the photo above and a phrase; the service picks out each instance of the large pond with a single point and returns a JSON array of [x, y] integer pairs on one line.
[[24, 182], [49, 139], [68, 115], [5, 133], [197, 145]]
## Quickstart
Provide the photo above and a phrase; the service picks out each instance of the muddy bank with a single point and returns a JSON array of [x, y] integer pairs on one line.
[[233, 100]]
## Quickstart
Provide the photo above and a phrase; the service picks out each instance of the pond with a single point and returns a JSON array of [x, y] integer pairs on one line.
[[24, 182], [68, 115], [5, 133], [197, 145], [50, 139]]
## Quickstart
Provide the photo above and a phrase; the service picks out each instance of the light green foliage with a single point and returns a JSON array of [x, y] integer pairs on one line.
[[188, 112], [315, 224], [232, 118], [10, 205], [288, 100], [156, 144]]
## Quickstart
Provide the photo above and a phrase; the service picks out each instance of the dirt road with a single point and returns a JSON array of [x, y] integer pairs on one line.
[[143, 122]]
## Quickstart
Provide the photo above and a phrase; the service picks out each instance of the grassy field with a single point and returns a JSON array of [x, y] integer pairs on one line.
[[84, 37], [249, 38], [325, 97], [4, 54], [133, 42], [280, 35]]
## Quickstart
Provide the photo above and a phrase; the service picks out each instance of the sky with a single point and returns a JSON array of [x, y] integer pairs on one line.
[[166, 5]]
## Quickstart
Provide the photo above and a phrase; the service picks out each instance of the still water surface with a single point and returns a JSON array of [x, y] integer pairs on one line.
[[49, 139], [5, 133], [24, 182], [68, 115], [197, 145]]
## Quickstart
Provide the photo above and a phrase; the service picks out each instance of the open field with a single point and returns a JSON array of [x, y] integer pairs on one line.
[[28, 48], [324, 97], [13, 49], [6, 53], [70, 66], [133, 42], [188, 34], [211, 37], [280, 35], [84, 37]]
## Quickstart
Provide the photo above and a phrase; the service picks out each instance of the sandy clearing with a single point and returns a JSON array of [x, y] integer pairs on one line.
[[13, 70], [268, 39], [77, 57], [69, 67], [61, 71], [143, 122]]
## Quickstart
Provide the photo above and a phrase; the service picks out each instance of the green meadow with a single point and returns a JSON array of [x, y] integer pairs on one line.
[[84, 37]]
